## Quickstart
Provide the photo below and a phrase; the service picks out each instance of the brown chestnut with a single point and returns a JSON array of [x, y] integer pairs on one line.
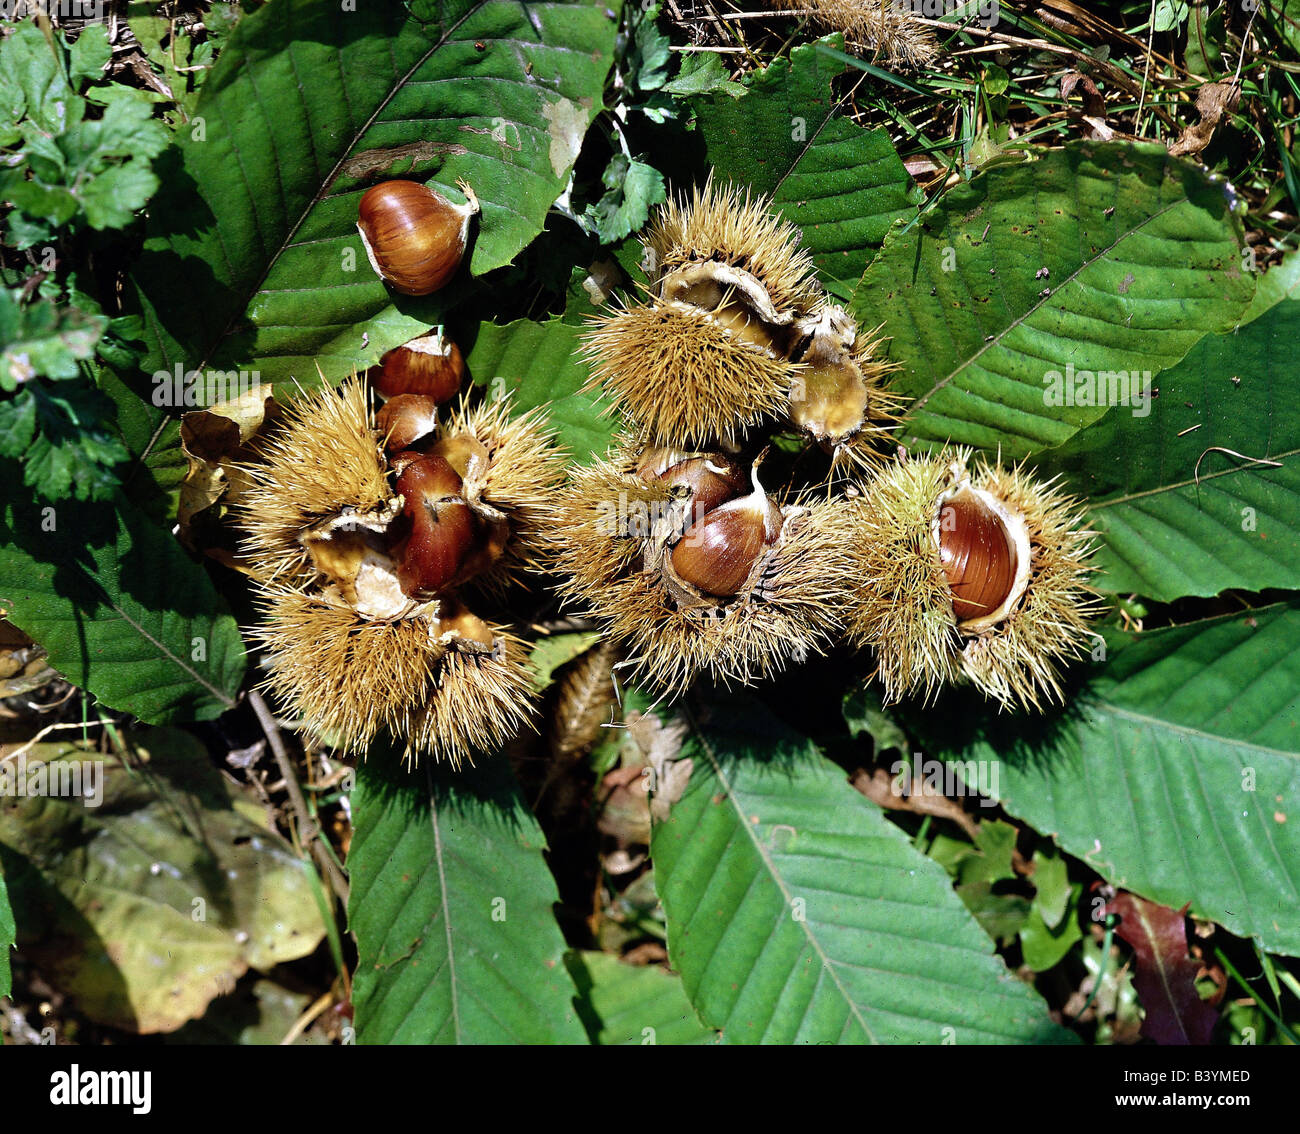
[[431, 365], [403, 420], [718, 553], [415, 237], [977, 555], [442, 532], [711, 479]]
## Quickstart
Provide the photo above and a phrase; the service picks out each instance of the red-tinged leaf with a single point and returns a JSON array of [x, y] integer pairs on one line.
[[1165, 976]]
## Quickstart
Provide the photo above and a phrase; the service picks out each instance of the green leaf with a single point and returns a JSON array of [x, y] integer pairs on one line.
[[33, 80], [75, 453], [1051, 887], [1179, 513], [122, 610], [1048, 934], [550, 654], [451, 909], [798, 914], [1174, 771], [17, 424], [1100, 257], [978, 869], [703, 73], [1169, 14], [634, 1004], [843, 185], [111, 199], [69, 163], [126, 902], [537, 364], [1045, 946], [254, 259], [89, 55], [633, 187], [41, 338], [994, 846], [8, 935], [863, 713], [154, 483], [650, 50]]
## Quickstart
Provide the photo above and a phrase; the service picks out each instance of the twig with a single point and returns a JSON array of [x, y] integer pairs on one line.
[[1146, 71], [303, 1022], [1196, 472], [308, 828], [27, 744], [1236, 79]]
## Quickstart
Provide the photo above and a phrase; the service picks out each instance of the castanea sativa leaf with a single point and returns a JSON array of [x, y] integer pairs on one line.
[[1203, 493], [150, 892], [1173, 772], [1014, 298], [451, 909], [254, 258], [626, 1005], [798, 914], [841, 184], [123, 611], [537, 364]]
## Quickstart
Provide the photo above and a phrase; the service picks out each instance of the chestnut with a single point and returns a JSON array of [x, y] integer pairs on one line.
[[431, 365], [718, 553], [977, 555], [415, 237]]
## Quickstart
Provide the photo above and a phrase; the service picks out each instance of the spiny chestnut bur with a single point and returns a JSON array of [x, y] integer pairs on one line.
[[892, 33], [837, 397], [321, 464], [361, 628], [706, 354], [442, 681], [431, 365], [414, 236], [964, 576], [696, 571]]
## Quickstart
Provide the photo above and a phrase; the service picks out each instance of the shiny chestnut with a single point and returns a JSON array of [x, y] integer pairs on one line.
[[977, 555], [431, 365], [415, 237]]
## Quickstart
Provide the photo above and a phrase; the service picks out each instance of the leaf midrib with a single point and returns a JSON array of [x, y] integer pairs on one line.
[[1253, 465], [1153, 721], [828, 966], [440, 858], [996, 340], [114, 604]]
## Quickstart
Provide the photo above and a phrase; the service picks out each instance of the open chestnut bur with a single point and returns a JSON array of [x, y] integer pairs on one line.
[[977, 576], [686, 560], [735, 331], [375, 544]]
